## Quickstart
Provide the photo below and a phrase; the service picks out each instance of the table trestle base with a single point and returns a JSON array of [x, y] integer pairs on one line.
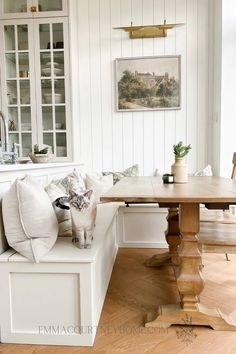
[[173, 314]]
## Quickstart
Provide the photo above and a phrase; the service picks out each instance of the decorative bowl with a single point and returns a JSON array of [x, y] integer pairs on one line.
[[40, 158]]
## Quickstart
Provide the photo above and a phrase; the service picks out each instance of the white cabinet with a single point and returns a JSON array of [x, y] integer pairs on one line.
[[35, 83], [32, 8]]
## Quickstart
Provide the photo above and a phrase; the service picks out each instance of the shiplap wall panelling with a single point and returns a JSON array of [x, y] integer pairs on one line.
[[159, 116], [148, 116], [192, 81], [114, 140], [138, 119], [181, 48], [106, 75], [203, 82], [75, 124], [84, 81], [170, 115], [95, 85], [127, 117], [117, 132]]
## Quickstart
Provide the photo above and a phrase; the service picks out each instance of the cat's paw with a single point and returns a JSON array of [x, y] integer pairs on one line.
[[88, 245], [81, 246]]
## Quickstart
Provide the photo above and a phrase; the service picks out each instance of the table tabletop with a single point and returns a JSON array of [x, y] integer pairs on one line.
[[152, 190]]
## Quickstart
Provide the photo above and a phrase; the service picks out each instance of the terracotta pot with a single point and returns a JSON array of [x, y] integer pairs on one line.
[[180, 171]]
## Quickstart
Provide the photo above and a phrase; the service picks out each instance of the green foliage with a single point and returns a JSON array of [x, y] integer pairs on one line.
[[180, 150], [167, 88], [131, 87], [38, 151]]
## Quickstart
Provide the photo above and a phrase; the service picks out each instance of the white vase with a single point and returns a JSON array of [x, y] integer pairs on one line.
[[180, 171]]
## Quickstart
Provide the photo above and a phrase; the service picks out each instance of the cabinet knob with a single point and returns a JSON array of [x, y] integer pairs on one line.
[[33, 8]]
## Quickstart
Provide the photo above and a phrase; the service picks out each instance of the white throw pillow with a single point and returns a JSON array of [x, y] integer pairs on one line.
[[99, 184], [158, 173], [63, 215], [29, 220], [207, 171]]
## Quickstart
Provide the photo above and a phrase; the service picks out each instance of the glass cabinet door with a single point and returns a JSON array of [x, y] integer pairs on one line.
[[13, 8], [50, 8], [53, 86], [52, 5], [32, 8], [17, 83]]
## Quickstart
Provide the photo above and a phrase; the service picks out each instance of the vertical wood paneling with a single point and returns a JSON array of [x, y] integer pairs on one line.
[[84, 83], [148, 117], [115, 140], [105, 60], [95, 84], [192, 81], [202, 99], [170, 116], [137, 51], [117, 134], [181, 115], [127, 119], [74, 83], [159, 116]]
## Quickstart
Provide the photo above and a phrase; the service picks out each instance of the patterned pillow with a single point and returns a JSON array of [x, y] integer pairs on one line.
[[63, 215], [207, 171], [132, 171], [73, 181]]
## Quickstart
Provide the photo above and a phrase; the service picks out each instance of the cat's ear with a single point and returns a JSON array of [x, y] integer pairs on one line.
[[72, 194], [88, 194]]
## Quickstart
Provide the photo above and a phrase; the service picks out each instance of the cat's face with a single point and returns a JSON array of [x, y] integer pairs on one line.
[[80, 201]]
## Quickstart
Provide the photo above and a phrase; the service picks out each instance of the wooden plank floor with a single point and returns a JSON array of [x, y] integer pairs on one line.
[[135, 290]]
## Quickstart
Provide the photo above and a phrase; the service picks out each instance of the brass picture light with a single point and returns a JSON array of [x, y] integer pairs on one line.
[[149, 31]]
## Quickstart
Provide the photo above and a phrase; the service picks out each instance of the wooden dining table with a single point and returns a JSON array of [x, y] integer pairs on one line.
[[183, 202]]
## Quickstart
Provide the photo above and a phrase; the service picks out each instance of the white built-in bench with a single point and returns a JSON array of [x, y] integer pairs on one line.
[[60, 299]]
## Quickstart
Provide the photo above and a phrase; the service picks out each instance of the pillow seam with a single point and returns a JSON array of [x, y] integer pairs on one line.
[[21, 219]]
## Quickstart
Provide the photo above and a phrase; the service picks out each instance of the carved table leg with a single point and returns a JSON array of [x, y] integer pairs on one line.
[[190, 282], [173, 239]]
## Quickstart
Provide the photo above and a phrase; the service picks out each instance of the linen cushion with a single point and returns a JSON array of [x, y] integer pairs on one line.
[[73, 181], [99, 184], [206, 171], [63, 215], [29, 220], [129, 172], [158, 173]]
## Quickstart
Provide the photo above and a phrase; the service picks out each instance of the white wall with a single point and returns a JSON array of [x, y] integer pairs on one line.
[[215, 50], [228, 87], [106, 139]]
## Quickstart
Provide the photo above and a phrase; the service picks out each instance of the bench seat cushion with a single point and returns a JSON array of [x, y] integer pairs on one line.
[[66, 252]]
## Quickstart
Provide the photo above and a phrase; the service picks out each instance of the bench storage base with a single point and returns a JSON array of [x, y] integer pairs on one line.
[[58, 301]]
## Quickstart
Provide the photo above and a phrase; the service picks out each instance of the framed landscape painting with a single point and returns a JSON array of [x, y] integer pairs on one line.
[[148, 83]]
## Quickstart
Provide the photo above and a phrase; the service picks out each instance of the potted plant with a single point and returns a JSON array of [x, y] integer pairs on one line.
[[40, 155], [179, 168]]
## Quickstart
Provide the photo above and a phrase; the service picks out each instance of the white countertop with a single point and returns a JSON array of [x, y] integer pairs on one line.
[[34, 166]]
